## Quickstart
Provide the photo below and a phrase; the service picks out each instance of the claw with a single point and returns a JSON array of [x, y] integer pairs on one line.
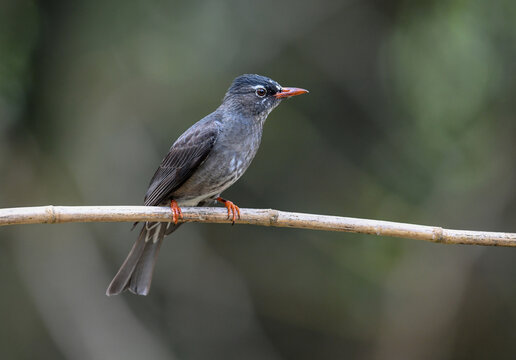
[[176, 211], [233, 210]]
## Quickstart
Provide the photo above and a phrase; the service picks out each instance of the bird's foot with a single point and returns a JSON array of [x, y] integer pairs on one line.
[[176, 211], [232, 209]]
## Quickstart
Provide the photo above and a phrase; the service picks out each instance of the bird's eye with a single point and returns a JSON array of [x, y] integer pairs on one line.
[[261, 92]]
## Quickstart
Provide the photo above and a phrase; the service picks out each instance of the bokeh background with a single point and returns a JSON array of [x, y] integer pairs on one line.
[[410, 118]]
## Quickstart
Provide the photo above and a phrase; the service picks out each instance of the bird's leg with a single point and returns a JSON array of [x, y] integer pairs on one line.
[[176, 211], [232, 208]]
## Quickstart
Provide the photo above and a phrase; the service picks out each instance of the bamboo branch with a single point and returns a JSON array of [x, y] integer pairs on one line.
[[264, 217]]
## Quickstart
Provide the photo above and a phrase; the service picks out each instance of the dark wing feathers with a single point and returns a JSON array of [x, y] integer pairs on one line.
[[184, 157]]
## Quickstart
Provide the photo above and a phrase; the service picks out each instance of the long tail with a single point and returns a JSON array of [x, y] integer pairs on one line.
[[135, 273]]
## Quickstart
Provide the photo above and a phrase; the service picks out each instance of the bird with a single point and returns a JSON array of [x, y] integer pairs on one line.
[[203, 162]]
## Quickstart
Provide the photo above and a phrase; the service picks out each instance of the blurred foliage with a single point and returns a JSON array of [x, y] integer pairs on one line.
[[410, 118]]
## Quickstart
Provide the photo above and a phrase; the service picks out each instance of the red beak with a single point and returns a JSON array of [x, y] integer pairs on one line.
[[290, 91]]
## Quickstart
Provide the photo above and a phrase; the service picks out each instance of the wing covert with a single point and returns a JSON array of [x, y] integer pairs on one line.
[[183, 158]]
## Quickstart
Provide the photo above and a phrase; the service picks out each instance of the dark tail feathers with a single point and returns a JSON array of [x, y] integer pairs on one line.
[[135, 273]]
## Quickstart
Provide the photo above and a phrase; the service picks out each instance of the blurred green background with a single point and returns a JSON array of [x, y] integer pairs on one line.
[[410, 118]]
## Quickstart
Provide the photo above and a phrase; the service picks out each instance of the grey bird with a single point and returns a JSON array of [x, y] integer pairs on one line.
[[203, 162]]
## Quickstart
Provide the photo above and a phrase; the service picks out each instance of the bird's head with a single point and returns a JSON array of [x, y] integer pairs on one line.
[[256, 95]]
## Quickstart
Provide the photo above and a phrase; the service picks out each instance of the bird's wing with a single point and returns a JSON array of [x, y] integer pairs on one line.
[[184, 157]]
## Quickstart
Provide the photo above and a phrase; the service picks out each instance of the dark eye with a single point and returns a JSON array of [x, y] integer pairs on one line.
[[261, 92]]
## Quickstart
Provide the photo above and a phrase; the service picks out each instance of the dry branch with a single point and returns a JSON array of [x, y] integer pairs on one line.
[[264, 217]]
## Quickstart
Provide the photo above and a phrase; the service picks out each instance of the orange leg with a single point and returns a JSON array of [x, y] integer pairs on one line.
[[176, 211], [232, 208]]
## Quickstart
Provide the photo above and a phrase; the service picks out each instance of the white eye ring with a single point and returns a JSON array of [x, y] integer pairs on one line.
[[260, 91]]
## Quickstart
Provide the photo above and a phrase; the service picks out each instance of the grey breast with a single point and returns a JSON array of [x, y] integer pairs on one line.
[[232, 153]]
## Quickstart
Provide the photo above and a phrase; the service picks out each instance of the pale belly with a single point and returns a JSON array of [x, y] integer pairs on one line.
[[214, 176]]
